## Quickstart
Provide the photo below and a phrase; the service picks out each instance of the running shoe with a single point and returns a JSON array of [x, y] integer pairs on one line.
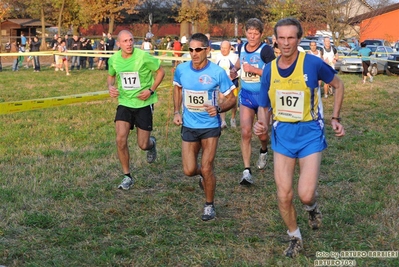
[[233, 123], [224, 125], [127, 182], [246, 178], [262, 160], [209, 213], [152, 153], [315, 218], [294, 247]]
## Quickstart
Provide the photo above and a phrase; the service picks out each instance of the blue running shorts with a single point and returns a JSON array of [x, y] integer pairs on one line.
[[298, 140]]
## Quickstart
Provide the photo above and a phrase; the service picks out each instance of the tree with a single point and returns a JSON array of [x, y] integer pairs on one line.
[[191, 12], [4, 11], [112, 10]]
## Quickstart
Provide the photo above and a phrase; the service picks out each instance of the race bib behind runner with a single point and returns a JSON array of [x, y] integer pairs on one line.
[[250, 77]]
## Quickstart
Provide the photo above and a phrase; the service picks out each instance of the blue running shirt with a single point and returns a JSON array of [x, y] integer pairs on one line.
[[201, 87]]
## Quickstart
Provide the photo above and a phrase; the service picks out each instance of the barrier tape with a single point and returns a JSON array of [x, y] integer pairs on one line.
[[33, 104], [80, 53], [25, 105]]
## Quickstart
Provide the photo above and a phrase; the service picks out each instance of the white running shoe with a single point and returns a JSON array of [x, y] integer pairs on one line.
[[246, 178], [233, 123], [127, 182], [209, 213], [262, 160]]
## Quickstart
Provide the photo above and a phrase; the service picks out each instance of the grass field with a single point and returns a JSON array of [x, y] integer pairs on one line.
[[59, 205]]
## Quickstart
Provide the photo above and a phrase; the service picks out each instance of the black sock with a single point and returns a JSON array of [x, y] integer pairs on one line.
[[209, 203], [263, 151], [128, 175], [249, 169]]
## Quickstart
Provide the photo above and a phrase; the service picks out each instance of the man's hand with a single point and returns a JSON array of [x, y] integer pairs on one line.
[[177, 120], [113, 92], [144, 95], [338, 128], [212, 111], [259, 128]]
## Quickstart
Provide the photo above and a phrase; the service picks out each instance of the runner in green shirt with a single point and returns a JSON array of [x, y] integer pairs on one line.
[[131, 80]]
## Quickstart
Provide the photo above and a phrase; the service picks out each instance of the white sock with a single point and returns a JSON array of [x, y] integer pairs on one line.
[[296, 233]]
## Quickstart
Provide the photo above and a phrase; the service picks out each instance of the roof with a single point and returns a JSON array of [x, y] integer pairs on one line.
[[373, 13], [28, 22], [362, 1]]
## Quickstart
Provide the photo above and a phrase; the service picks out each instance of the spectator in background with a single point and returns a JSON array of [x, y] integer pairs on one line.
[[109, 46], [54, 47], [58, 58], [23, 40], [83, 59], [176, 47], [63, 58], [68, 41], [277, 51], [239, 41], [169, 43], [35, 47], [89, 47], [28, 48], [76, 45], [146, 45], [101, 47], [14, 49], [365, 53]]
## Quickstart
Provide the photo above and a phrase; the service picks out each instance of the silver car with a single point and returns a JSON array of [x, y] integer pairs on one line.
[[378, 60]]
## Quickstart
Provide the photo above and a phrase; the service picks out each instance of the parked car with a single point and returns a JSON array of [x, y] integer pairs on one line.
[[377, 42], [352, 63], [378, 60], [396, 47], [393, 64], [341, 55]]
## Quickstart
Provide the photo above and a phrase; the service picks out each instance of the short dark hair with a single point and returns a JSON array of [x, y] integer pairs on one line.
[[363, 44], [201, 38], [289, 22]]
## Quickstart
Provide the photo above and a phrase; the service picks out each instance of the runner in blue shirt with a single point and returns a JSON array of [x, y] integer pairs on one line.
[[197, 84]]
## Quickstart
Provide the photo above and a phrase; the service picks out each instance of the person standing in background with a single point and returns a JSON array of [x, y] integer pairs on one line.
[[35, 47]]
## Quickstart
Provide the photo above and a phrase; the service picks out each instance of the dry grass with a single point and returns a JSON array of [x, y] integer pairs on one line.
[[59, 205]]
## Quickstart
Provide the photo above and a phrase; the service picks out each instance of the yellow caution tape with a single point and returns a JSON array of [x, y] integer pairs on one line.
[[25, 105]]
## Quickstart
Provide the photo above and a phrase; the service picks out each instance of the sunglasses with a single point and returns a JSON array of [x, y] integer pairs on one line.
[[197, 49]]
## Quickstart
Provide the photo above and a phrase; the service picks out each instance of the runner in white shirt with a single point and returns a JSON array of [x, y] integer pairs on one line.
[[330, 56], [227, 59]]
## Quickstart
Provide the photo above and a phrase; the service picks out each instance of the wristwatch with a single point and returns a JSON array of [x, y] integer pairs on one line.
[[338, 119], [152, 92], [218, 109]]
